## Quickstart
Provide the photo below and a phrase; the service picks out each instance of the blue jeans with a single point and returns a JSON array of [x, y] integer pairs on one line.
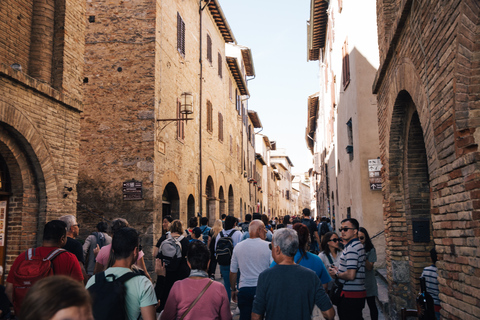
[[245, 301], [225, 272]]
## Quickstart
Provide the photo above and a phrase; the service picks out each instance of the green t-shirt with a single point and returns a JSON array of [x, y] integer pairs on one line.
[[140, 292]]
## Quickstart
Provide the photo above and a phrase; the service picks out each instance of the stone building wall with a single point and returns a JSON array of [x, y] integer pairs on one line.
[[39, 117], [427, 89]]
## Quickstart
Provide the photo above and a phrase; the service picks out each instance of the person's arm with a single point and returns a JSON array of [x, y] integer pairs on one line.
[[233, 283], [329, 314], [84, 273], [141, 264], [257, 316], [148, 313], [155, 252], [9, 291], [317, 237], [369, 265], [98, 268], [86, 246], [348, 275]]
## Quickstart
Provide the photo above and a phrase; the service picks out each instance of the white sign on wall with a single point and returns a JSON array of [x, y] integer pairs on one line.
[[374, 174]]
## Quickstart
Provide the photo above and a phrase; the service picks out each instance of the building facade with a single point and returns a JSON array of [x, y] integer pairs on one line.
[[427, 91], [141, 156], [342, 130], [41, 65]]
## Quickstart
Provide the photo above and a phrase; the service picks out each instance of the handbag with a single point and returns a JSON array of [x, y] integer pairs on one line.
[[335, 293]]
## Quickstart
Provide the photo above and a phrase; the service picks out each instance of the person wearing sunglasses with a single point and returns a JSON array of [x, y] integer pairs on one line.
[[329, 255], [370, 281], [351, 272]]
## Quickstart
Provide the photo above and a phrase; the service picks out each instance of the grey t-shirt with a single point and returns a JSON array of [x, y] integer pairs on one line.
[[252, 256], [289, 292]]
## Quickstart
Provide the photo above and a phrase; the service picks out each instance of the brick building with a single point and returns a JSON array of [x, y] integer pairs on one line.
[[41, 65], [142, 60], [427, 88]]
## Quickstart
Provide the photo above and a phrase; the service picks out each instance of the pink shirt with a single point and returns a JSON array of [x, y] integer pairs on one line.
[[213, 304], [102, 256]]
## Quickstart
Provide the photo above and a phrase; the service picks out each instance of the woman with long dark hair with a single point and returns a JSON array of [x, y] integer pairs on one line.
[[307, 259], [329, 255], [370, 281]]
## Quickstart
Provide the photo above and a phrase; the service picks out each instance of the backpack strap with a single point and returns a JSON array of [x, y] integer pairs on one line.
[[221, 234], [54, 254], [233, 231], [198, 298], [127, 276], [29, 254], [329, 258]]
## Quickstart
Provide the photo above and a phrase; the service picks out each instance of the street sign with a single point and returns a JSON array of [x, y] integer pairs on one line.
[[374, 174], [132, 190]]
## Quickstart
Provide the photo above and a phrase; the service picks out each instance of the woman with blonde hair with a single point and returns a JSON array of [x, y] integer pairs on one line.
[[217, 227]]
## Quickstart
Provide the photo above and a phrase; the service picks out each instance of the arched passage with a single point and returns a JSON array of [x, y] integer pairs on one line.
[[190, 207], [221, 199], [171, 201], [210, 191], [231, 203], [410, 194]]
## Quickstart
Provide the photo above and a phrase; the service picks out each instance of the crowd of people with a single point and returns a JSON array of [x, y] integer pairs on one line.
[[271, 270]]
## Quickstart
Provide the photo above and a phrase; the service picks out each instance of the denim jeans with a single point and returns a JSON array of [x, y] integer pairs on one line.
[[245, 301], [225, 272]]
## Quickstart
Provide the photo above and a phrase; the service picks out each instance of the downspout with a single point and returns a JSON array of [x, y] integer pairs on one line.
[[200, 60]]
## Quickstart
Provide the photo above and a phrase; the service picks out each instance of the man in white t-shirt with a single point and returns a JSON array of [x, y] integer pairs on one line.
[[140, 296], [252, 256]]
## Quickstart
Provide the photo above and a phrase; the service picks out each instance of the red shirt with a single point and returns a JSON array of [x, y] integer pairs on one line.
[[64, 264]]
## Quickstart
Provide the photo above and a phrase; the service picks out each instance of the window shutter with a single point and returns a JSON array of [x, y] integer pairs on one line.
[[180, 35], [220, 127], [219, 65], [209, 49], [209, 117]]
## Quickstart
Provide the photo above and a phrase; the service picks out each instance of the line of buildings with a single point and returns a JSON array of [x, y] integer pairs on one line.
[[393, 131], [132, 109]]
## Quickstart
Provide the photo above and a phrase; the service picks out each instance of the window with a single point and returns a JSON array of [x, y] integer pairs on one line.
[[345, 65], [220, 127], [180, 123], [180, 35], [350, 139], [219, 65], [231, 145], [209, 117], [238, 102], [209, 49], [230, 89]]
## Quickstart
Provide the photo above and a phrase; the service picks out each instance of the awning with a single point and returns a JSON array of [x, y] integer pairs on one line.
[[237, 75]]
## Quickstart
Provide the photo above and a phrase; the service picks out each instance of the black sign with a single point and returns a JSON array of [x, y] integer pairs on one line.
[[132, 190]]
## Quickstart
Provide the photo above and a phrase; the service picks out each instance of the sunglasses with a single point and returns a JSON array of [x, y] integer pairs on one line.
[[361, 238], [334, 240], [345, 229], [76, 225]]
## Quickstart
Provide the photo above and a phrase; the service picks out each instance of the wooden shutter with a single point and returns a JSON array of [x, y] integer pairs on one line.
[[180, 35]]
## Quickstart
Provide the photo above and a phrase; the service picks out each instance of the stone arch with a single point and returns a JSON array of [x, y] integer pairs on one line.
[[221, 201], [231, 203], [171, 201], [210, 193], [190, 207]]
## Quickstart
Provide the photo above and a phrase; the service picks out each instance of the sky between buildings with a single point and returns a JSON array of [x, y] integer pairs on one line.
[[276, 32]]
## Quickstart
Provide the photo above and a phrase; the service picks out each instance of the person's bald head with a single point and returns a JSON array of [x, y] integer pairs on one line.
[[256, 229]]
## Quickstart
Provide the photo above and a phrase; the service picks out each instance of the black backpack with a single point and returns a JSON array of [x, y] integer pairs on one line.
[[324, 228], [108, 297], [100, 239], [224, 249]]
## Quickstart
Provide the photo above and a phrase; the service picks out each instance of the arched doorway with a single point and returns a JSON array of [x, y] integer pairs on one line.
[[409, 183], [171, 201], [221, 198], [210, 191], [5, 193], [231, 204], [190, 207]]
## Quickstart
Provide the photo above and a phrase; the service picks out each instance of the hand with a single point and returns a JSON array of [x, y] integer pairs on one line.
[[96, 251], [332, 270], [234, 296], [160, 268]]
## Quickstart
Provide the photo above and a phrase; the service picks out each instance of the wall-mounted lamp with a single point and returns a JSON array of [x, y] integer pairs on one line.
[[186, 107]]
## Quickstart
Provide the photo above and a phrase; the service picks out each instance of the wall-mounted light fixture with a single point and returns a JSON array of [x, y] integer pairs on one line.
[[186, 107]]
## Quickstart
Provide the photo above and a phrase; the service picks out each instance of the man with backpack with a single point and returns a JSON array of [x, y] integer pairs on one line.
[[119, 293], [313, 230], [323, 227], [38, 263], [97, 239], [205, 229], [224, 243]]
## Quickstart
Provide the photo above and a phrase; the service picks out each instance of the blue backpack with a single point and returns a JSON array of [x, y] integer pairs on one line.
[[205, 232]]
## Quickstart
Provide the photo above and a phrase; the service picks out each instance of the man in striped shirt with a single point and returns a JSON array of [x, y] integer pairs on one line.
[[351, 272], [430, 274]]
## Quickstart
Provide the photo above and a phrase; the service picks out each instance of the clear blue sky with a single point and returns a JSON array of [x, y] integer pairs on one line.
[[276, 32]]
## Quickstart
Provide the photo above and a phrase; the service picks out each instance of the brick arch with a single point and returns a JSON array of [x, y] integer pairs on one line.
[[410, 157], [30, 141]]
